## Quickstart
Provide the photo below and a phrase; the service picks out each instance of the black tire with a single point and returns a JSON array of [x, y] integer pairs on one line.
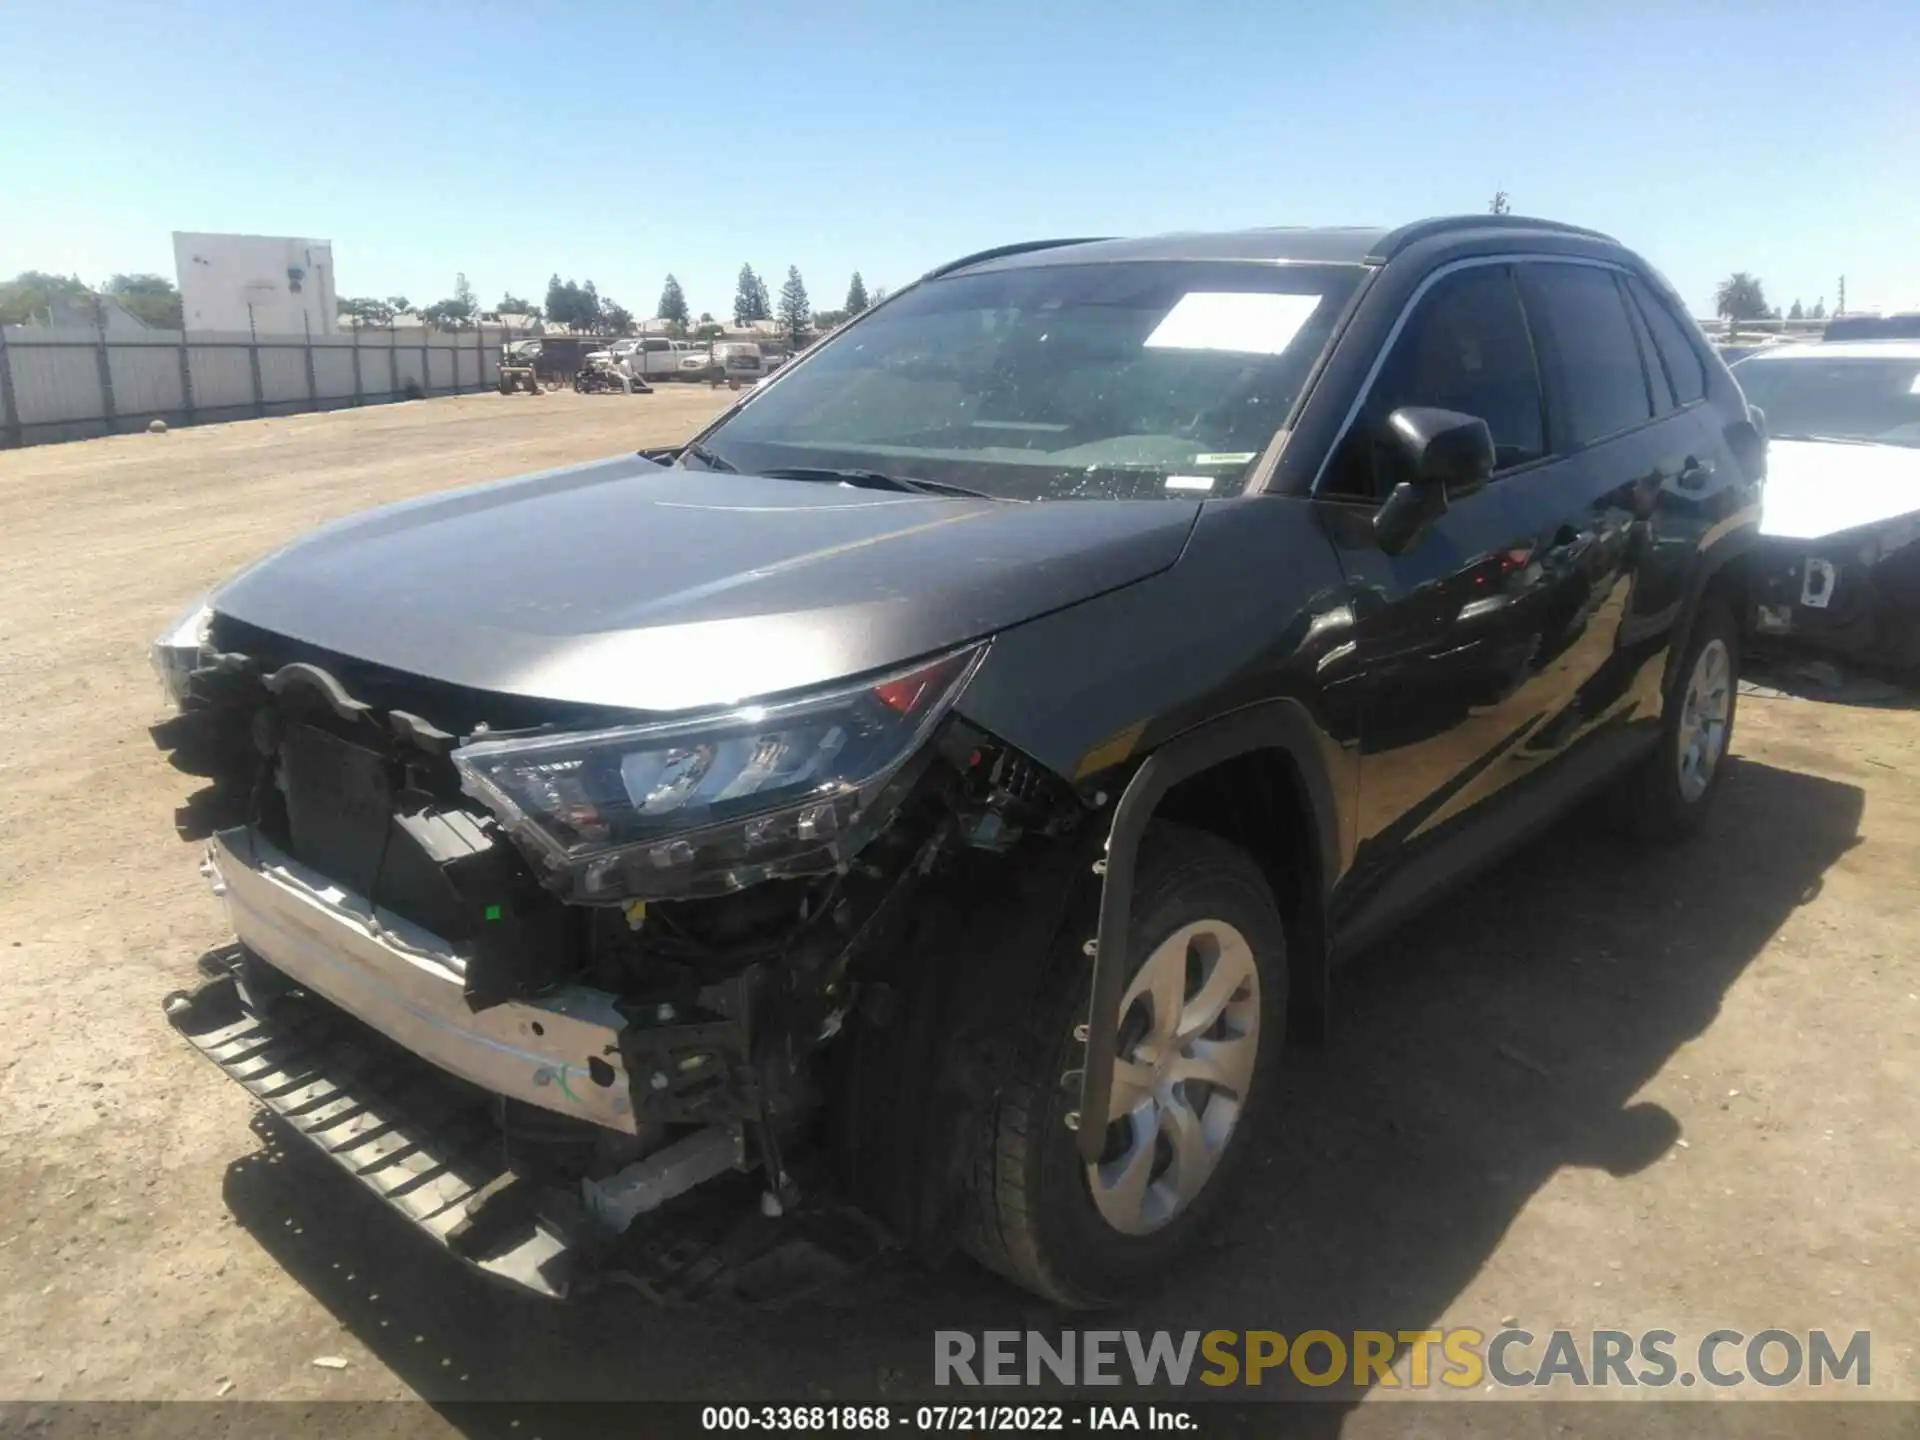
[[1654, 804], [1031, 1213]]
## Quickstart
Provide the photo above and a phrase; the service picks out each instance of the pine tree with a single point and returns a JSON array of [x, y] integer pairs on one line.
[[673, 302], [856, 296], [749, 297], [795, 312]]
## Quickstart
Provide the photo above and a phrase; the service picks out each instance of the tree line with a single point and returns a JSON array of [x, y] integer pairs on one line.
[[33, 294], [581, 307], [1741, 296], [753, 302], [155, 301]]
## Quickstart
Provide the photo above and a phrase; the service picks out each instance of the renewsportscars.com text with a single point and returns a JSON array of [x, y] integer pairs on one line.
[[1461, 1358]]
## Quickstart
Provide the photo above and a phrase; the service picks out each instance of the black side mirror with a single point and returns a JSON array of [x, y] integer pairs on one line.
[[1448, 455]]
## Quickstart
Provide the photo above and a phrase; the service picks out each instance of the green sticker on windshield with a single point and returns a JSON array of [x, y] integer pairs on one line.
[[1233, 457]]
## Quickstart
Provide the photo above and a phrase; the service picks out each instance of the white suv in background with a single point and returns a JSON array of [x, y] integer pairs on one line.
[[650, 357]]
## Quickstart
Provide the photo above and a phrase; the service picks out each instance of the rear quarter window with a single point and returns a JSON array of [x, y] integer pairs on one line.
[[1678, 354]]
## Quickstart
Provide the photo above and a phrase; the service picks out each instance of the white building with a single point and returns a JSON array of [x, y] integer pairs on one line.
[[270, 284]]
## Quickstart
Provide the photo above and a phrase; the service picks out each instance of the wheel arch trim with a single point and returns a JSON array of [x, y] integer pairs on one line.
[[1281, 725], [1726, 558]]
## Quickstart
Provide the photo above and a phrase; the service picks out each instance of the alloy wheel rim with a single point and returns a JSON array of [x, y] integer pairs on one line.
[[1189, 1037], [1705, 716]]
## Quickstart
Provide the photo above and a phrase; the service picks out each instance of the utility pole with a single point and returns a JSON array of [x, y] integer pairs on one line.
[[1841, 309]]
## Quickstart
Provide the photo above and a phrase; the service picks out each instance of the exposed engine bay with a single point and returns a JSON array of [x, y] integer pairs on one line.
[[640, 949]]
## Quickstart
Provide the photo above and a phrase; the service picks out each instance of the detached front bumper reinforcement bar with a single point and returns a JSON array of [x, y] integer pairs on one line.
[[353, 1028], [560, 1052]]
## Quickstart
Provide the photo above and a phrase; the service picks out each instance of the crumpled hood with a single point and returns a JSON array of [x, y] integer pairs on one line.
[[1817, 488], [626, 584]]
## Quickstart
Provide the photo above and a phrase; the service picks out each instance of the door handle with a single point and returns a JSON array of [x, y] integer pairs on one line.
[[1569, 541], [1694, 474]]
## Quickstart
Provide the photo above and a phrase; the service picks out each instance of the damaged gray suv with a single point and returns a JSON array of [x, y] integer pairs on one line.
[[921, 809]]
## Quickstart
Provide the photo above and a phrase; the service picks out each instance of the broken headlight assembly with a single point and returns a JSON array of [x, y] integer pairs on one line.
[[181, 649], [704, 806]]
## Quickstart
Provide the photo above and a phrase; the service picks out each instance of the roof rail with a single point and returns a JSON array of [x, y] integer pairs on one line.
[[1394, 241], [997, 252]]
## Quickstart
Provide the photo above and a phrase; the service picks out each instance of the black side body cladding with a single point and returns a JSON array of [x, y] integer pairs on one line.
[[1277, 725]]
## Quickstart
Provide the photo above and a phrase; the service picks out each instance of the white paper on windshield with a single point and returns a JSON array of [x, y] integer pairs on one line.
[[1189, 482], [1249, 323]]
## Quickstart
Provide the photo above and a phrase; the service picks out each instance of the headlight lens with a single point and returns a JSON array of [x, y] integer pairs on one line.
[[181, 649], [701, 807]]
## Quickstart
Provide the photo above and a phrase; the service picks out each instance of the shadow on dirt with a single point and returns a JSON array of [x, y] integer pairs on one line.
[[1813, 679], [1500, 1039]]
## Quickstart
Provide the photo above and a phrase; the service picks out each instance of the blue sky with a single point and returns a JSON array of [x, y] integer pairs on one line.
[[621, 141]]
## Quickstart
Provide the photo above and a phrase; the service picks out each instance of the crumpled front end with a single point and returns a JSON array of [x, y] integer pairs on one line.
[[1837, 573], [1854, 595], [569, 989]]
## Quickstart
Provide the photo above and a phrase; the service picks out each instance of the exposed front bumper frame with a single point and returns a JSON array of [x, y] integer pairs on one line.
[[560, 1052]]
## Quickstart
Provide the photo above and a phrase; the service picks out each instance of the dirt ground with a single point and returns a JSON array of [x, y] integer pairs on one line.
[[1603, 1088]]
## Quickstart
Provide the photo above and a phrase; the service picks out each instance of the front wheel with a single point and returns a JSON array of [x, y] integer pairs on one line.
[[1199, 1037]]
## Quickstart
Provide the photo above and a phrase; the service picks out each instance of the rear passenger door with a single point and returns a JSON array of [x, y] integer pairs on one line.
[[1611, 591], [1691, 502]]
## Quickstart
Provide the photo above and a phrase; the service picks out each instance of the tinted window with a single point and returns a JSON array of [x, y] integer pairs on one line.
[[1650, 365], [1601, 384], [1465, 348], [1677, 352]]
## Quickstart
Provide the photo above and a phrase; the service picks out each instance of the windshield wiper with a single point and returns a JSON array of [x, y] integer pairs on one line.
[[707, 458], [872, 480], [1823, 439]]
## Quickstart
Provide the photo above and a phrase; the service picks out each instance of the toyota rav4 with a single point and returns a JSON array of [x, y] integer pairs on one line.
[[921, 809]]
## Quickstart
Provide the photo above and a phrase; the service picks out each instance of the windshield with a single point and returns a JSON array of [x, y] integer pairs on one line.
[[1852, 397], [1097, 381]]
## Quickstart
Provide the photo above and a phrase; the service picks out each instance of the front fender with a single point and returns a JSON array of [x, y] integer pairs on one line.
[[1726, 546], [1283, 725]]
